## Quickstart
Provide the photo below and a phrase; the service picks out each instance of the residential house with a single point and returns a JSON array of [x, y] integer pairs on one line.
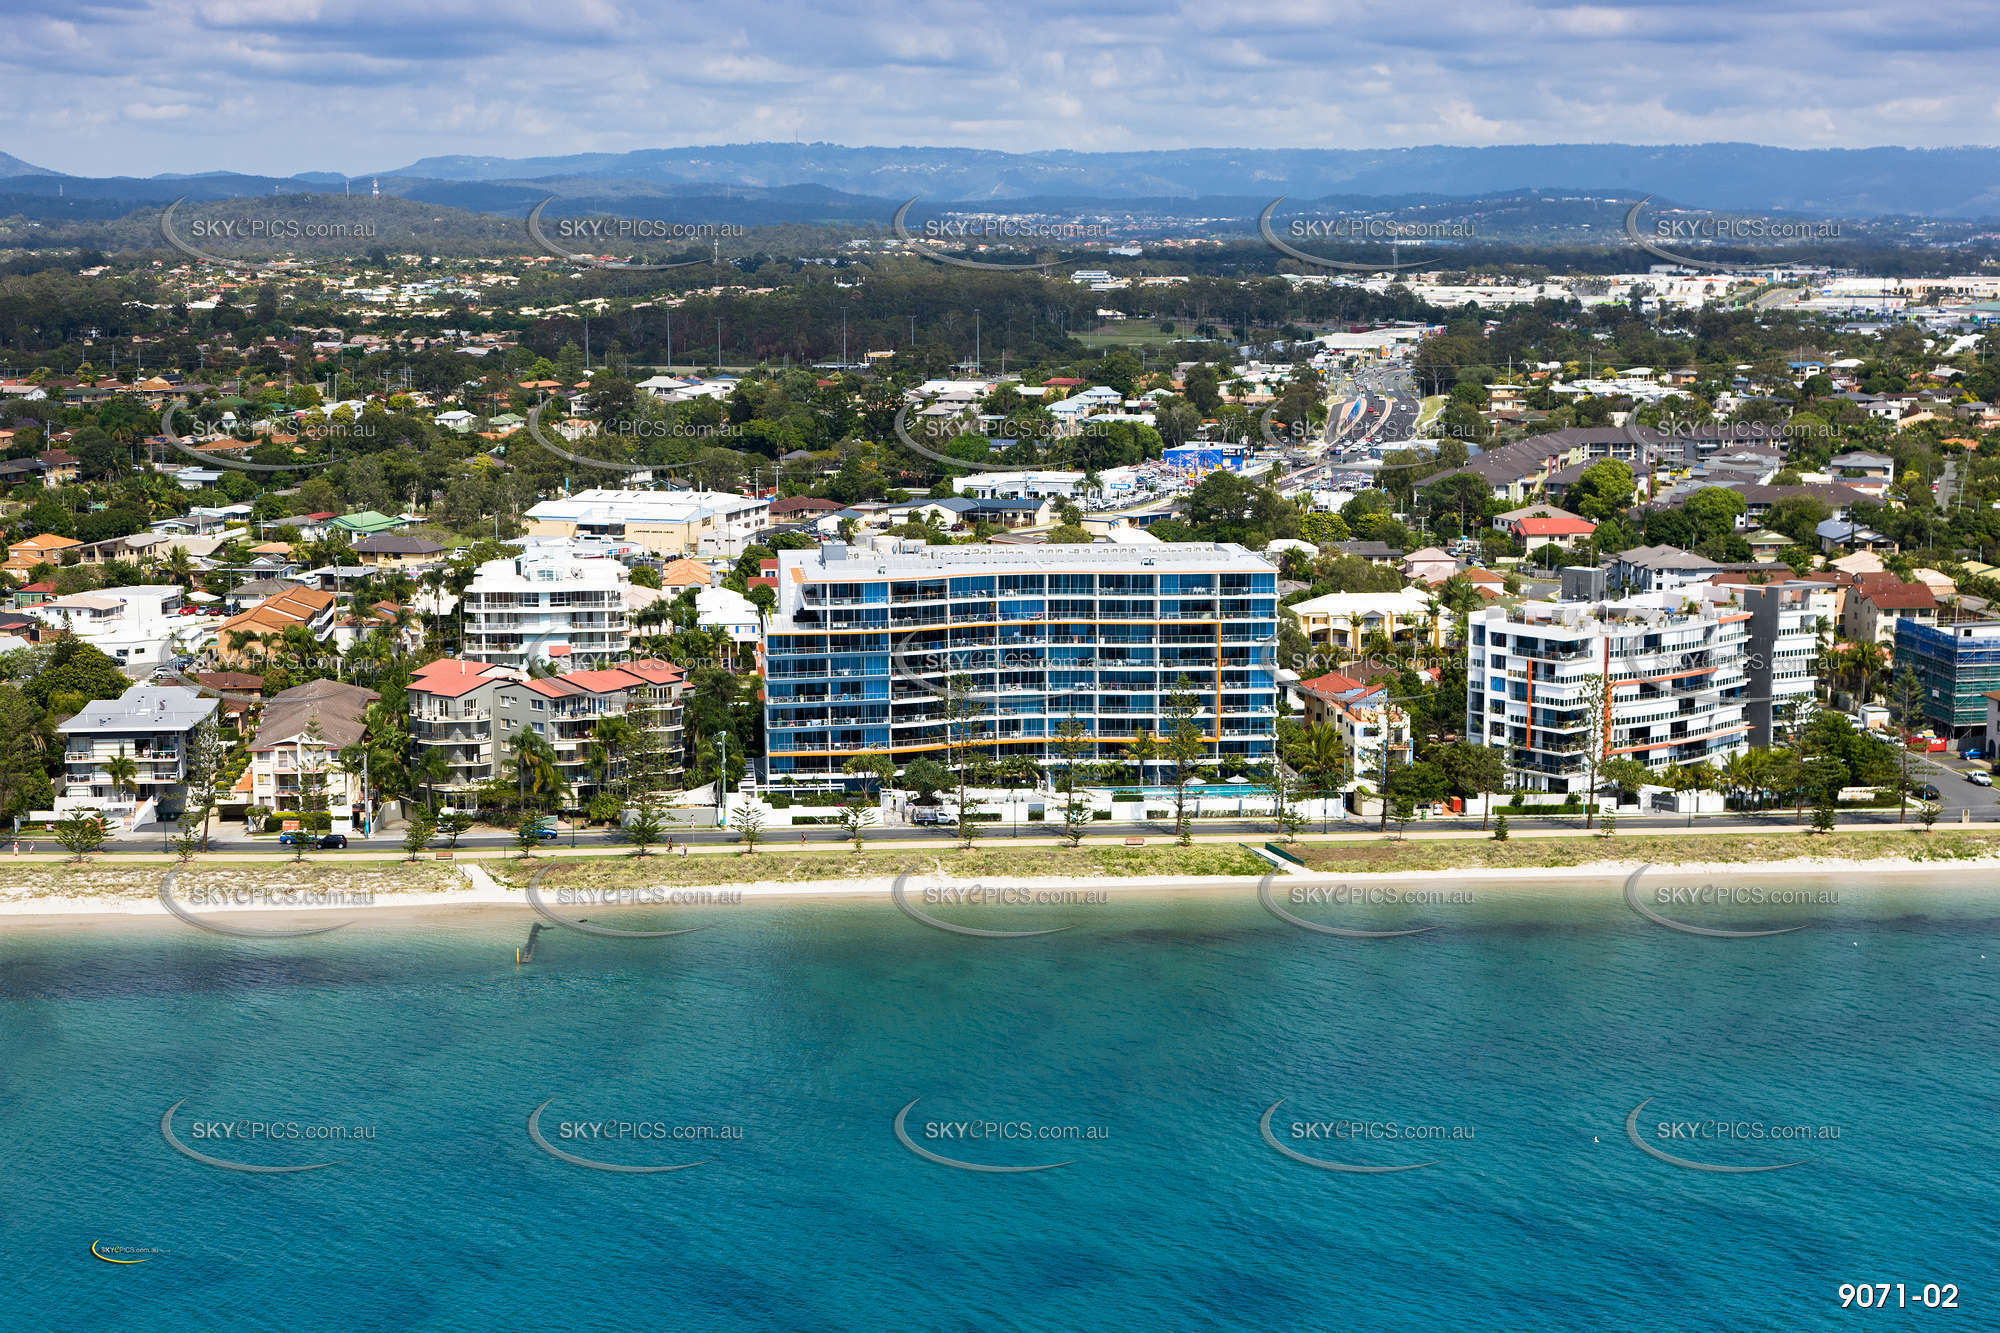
[[239, 639], [1876, 606], [1545, 525], [132, 625], [398, 550], [45, 548], [1429, 565]]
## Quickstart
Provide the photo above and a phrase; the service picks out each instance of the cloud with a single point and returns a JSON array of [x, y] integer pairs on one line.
[[140, 86]]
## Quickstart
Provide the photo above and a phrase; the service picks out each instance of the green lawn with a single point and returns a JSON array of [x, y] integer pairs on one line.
[[790, 865], [1660, 848]]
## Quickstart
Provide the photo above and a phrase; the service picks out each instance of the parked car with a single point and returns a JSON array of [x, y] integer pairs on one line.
[[333, 842], [1927, 792], [1979, 779], [1972, 752]]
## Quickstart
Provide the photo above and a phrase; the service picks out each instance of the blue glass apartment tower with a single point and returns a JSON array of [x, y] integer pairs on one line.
[[863, 643]]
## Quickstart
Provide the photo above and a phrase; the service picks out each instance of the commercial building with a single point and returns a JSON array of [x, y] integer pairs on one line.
[[1674, 672], [1958, 665], [667, 523], [553, 602], [149, 724], [864, 644]]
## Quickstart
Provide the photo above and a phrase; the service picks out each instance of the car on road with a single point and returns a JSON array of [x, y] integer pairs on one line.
[[1927, 791], [1979, 779], [333, 842], [296, 838]]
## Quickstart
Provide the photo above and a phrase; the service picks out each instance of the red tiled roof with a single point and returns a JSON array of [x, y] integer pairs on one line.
[[449, 677], [1555, 527], [1899, 596]]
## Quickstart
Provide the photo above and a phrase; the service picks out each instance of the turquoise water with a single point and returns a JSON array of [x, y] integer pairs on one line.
[[1165, 1027]]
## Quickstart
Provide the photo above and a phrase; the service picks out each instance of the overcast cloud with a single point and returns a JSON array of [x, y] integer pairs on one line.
[[279, 86]]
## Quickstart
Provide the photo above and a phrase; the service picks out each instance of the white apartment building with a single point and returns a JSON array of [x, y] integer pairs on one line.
[[128, 625], [1782, 652], [551, 603], [148, 724], [1676, 674], [670, 523]]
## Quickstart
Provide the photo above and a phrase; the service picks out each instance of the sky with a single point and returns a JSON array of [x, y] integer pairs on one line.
[[139, 87]]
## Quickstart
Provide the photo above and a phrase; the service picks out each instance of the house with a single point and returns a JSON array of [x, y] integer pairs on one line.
[[46, 548], [1876, 605], [238, 639], [1545, 525], [728, 610], [1375, 553], [1658, 569], [133, 626], [286, 750], [1836, 533], [1429, 565], [795, 507], [152, 726], [20, 471], [683, 573], [1765, 544], [397, 550], [33, 594], [367, 522]]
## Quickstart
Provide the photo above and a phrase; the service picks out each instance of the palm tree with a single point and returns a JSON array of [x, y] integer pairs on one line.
[[430, 768], [180, 568], [1690, 778], [122, 772], [1320, 754], [607, 738], [1864, 661], [536, 775]]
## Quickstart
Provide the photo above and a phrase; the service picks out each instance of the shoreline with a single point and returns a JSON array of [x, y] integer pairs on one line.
[[481, 892]]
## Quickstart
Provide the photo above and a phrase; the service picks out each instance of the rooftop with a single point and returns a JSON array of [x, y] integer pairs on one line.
[[142, 708]]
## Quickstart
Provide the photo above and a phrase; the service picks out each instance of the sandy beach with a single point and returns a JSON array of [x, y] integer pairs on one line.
[[326, 892]]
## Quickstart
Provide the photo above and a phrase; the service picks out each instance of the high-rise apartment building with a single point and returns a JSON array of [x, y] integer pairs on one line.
[[554, 602], [865, 644], [1675, 674]]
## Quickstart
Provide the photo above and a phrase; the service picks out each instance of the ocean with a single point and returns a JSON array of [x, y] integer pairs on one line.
[[1133, 1056]]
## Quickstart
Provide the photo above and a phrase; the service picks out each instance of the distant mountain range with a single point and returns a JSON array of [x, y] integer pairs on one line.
[[772, 183]]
